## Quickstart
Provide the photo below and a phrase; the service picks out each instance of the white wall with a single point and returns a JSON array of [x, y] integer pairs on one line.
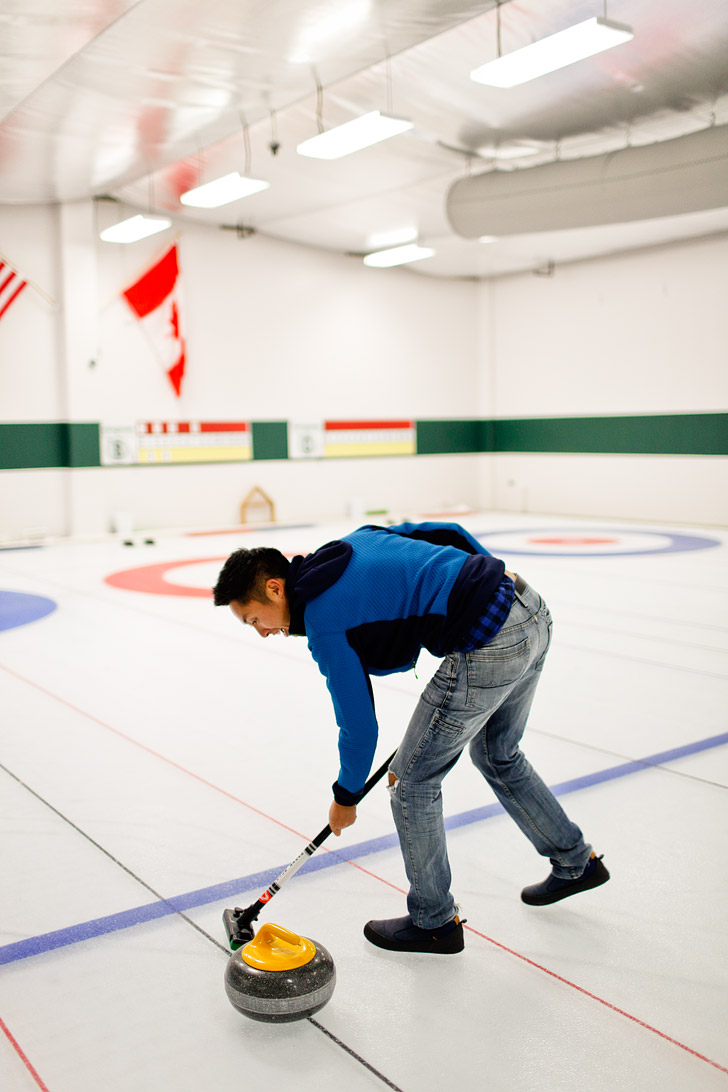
[[659, 488], [277, 331], [274, 331], [210, 497], [638, 333]]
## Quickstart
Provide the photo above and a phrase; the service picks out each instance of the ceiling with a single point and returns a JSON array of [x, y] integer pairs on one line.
[[140, 100]]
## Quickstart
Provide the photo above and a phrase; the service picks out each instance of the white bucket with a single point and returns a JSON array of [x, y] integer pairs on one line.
[[122, 523]]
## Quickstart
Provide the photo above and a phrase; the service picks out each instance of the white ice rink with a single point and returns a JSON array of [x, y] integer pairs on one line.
[[152, 748]]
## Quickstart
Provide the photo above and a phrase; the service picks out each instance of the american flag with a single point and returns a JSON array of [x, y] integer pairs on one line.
[[11, 285]]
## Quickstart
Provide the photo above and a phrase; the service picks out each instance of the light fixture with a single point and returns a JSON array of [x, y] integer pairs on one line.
[[509, 150], [353, 135], [487, 238], [136, 227], [385, 240], [231, 187], [557, 51], [398, 255]]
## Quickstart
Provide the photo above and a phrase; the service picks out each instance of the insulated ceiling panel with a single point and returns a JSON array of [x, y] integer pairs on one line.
[[143, 100]]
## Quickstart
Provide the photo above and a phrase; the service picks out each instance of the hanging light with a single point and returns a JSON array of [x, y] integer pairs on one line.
[[354, 135], [135, 228], [557, 51], [510, 149], [385, 240], [231, 187], [398, 255], [221, 191]]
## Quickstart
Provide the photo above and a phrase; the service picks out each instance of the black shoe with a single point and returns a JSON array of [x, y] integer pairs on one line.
[[401, 935], [554, 888]]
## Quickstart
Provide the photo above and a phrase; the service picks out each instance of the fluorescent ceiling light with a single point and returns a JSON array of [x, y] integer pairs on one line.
[[231, 187], [387, 239], [398, 255], [353, 135], [557, 51], [510, 150], [136, 227]]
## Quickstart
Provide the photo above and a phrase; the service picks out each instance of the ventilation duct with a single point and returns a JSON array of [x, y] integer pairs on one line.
[[687, 174]]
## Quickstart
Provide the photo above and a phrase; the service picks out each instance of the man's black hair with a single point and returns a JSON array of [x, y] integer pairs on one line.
[[243, 576]]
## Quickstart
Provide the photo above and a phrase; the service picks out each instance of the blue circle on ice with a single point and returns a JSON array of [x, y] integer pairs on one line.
[[19, 608]]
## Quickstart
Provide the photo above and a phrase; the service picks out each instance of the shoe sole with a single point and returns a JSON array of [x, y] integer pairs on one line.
[[449, 945], [565, 892]]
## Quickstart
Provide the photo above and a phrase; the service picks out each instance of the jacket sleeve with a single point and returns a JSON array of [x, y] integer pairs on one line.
[[351, 694], [442, 534]]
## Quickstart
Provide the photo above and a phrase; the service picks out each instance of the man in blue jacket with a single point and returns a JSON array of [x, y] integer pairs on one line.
[[368, 603]]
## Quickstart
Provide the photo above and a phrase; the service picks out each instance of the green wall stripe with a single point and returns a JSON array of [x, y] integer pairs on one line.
[[58, 444], [48, 444], [270, 439], [83, 444], [668, 434], [451, 437], [25, 446]]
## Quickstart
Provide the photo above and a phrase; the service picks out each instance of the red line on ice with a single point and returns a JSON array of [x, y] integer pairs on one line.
[[23, 1056], [496, 943]]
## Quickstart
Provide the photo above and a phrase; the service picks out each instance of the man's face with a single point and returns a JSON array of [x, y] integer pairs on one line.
[[267, 618]]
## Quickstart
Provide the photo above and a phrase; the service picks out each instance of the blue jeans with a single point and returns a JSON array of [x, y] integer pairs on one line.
[[481, 699]]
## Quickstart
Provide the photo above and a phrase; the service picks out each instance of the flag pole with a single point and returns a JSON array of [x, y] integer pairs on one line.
[[36, 288]]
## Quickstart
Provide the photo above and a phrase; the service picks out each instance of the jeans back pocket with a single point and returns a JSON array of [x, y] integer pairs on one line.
[[496, 665]]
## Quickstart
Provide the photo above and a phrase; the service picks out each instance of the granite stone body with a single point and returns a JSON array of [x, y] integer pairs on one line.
[[280, 996]]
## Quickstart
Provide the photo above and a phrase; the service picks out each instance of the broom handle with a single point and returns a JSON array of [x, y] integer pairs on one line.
[[311, 848]]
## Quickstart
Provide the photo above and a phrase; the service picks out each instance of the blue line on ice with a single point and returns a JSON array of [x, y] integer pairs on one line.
[[258, 881]]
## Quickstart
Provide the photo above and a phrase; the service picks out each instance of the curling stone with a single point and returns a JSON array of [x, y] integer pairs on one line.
[[279, 976]]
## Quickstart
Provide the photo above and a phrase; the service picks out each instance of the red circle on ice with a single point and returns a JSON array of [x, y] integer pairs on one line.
[[573, 540], [151, 578]]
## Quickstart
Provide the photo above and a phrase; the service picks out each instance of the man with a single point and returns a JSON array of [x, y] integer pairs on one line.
[[368, 603]]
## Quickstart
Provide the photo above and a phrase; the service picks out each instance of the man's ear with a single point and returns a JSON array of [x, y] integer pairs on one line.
[[275, 589]]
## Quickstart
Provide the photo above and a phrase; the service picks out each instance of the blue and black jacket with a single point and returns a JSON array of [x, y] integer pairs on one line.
[[368, 603]]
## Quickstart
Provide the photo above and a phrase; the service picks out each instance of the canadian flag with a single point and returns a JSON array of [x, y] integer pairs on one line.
[[11, 285], [154, 299]]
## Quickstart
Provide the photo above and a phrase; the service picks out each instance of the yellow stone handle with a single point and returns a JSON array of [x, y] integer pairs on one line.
[[270, 931], [277, 949]]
